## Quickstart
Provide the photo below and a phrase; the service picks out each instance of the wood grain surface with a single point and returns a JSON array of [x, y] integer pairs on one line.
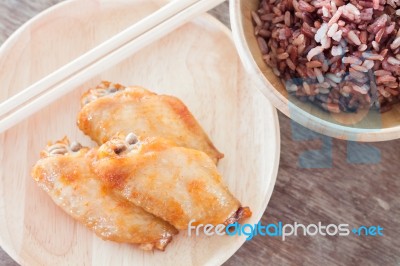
[[320, 179]]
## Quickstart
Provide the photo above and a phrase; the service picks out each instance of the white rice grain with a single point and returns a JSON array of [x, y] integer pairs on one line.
[[368, 64], [333, 29], [336, 50], [325, 11], [396, 43], [354, 38], [393, 61], [314, 51], [321, 32], [337, 36]]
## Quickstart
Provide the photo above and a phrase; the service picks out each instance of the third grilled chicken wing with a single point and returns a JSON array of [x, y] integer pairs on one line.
[[174, 183], [64, 172], [113, 108]]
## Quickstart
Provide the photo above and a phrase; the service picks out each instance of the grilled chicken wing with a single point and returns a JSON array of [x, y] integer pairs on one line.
[[113, 108], [64, 172], [174, 183]]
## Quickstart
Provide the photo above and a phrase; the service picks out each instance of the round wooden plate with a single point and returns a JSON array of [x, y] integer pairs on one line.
[[197, 63]]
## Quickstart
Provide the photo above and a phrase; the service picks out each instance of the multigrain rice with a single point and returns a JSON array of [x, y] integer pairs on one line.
[[342, 55]]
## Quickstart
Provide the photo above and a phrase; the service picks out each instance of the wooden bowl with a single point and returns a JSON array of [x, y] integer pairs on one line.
[[366, 125], [205, 73]]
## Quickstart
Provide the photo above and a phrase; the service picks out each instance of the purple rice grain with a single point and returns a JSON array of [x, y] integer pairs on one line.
[[333, 52]]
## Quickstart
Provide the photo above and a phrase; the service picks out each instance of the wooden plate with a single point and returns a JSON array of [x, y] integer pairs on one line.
[[198, 63]]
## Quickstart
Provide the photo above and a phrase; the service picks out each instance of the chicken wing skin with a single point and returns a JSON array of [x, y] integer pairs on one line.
[[174, 183], [113, 108], [64, 172]]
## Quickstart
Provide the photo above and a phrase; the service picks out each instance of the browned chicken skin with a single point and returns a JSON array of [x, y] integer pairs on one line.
[[112, 108], [64, 172], [174, 183], [154, 171]]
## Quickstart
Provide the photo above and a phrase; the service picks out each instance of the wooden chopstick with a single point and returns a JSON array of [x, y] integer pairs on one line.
[[100, 58]]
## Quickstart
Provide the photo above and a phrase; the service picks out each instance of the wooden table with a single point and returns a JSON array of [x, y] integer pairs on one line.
[[320, 180]]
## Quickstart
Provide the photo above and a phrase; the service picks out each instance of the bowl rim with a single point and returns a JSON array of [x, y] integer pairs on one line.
[[290, 109]]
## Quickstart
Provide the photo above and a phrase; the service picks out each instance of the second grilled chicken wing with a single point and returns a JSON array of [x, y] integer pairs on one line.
[[64, 172], [174, 183], [113, 108]]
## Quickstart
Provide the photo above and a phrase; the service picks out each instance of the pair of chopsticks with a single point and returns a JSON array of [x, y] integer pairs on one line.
[[100, 58]]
